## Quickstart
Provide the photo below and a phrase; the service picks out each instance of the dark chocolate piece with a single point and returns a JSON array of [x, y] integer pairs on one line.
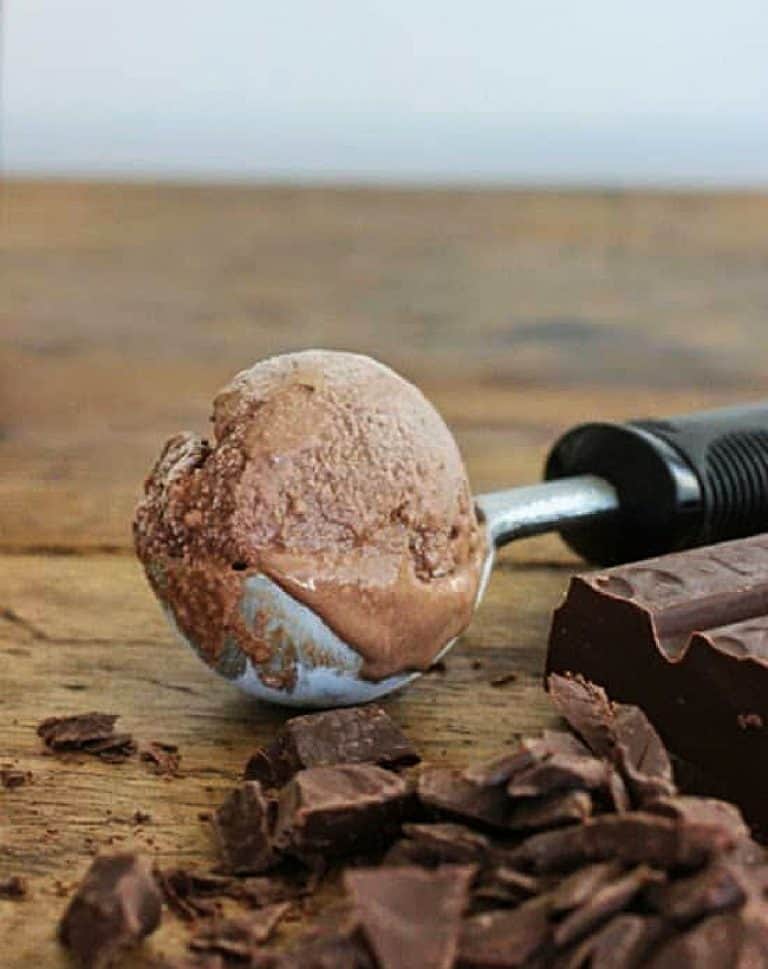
[[162, 758], [411, 917], [619, 732], [244, 825], [117, 904], [607, 900], [576, 889], [13, 887], [333, 952], [327, 811], [450, 793], [684, 637], [506, 939], [633, 838], [239, 938], [439, 844], [550, 811], [355, 735], [718, 887]]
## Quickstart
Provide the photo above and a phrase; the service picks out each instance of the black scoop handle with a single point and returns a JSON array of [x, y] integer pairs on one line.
[[682, 482]]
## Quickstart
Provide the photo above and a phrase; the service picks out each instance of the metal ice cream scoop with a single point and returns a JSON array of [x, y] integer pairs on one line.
[[615, 493]]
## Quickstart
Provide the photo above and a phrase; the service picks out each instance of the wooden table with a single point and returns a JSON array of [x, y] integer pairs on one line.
[[124, 308]]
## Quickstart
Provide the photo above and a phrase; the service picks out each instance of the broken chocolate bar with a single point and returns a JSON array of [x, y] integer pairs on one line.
[[684, 637], [327, 811], [117, 904], [355, 735], [410, 917], [244, 825]]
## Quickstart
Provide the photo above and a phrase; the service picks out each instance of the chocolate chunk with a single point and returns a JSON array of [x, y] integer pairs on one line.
[[117, 904], [334, 952], [619, 732], [325, 811], [576, 889], [632, 838], [92, 733], [552, 811], [352, 735], [506, 939], [10, 777], [240, 938], [244, 824], [720, 886], [449, 792], [561, 772], [684, 638], [14, 887], [738, 940], [607, 900], [439, 844], [162, 758], [529, 752], [411, 917], [622, 943]]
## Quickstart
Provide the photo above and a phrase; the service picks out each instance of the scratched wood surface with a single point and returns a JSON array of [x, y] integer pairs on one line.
[[123, 308]]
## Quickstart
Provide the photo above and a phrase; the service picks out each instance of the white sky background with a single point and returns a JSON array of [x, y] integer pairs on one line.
[[528, 91]]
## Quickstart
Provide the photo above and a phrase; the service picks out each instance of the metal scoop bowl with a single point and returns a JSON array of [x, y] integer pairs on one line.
[[311, 666]]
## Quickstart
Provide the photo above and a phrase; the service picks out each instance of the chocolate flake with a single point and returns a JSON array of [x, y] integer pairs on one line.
[[352, 735], [163, 758], [243, 826], [411, 917], [92, 733], [117, 904]]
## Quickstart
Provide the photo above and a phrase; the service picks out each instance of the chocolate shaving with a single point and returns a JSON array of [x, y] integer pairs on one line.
[[117, 904], [352, 735]]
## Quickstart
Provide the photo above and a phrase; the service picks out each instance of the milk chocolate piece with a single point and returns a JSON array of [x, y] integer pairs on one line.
[[411, 917], [685, 637], [355, 735], [327, 811], [244, 824], [117, 904]]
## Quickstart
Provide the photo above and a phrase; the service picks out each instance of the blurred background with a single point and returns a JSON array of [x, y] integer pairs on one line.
[[540, 211], [529, 91]]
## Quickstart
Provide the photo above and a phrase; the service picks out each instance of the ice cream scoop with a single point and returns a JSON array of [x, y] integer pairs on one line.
[[324, 548]]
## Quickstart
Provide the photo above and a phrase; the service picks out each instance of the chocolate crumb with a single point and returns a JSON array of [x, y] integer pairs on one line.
[[14, 887], [163, 758]]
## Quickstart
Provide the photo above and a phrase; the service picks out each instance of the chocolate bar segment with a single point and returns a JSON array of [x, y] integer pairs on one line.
[[684, 637]]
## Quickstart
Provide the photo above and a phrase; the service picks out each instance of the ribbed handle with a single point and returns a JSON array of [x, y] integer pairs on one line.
[[682, 482]]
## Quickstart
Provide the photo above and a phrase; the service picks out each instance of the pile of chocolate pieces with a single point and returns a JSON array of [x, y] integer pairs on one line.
[[572, 850]]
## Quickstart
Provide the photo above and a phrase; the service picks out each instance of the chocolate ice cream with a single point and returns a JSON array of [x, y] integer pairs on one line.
[[335, 478]]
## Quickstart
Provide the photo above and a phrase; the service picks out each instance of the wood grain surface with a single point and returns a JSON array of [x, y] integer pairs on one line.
[[122, 310]]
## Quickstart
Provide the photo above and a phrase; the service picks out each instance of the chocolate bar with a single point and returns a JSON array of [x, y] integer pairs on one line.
[[684, 637]]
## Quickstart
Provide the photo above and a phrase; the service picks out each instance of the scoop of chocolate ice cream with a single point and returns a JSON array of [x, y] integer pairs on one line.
[[335, 478]]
